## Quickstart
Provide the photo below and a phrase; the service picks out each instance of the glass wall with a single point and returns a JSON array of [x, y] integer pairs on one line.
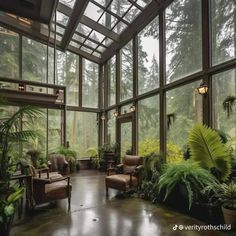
[[40, 126], [223, 21], [111, 127], [184, 109], [112, 81], [82, 131], [90, 84], [9, 54], [126, 78], [224, 98], [54, 130], [148, 57], [183, 39], [34, 60], [148, 126]]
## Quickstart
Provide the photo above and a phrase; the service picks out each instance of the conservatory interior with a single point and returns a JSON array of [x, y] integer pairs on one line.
[[117, 117]]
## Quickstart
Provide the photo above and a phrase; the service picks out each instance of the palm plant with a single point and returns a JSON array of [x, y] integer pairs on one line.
[[12, 134], [207, 148]]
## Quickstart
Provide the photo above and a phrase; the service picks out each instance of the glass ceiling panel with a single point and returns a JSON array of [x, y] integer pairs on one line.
[[83, 29], [78, 38], [132, 14], [96, 36], [92, 11], [69, 3], [120, 7], [90, 43], [120, 27], [62, 19], [143, 3], [108, 20]]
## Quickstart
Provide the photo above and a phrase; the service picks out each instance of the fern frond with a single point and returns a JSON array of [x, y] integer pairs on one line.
[[207, 149]]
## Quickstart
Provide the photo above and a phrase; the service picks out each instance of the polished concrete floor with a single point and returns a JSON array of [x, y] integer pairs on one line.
[[92, 214]]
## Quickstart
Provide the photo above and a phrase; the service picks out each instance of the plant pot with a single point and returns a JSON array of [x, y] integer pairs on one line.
[[5, 229], [229, 217]]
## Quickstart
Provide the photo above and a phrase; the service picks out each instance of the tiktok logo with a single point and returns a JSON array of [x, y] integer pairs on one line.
[[175, 227]]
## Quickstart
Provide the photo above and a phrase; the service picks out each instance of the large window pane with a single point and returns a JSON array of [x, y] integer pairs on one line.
[[90, 84], [184, 109], [34, 61], [223, 23], [183, 39], [67, 74], [50, 65], [39, 143], [148, 126], [224, 89], [82, 132], [112, 81], [126, 83], [9, 54], [54, 130], [148, 57], [111, 127]]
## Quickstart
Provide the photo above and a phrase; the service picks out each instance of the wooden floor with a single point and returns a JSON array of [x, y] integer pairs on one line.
[[92, 214]]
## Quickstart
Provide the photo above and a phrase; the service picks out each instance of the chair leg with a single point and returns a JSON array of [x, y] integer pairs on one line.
[[107, 191], [69, 202]]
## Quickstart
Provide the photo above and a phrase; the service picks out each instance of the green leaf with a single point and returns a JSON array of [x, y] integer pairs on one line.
[[15, 196], [207, 149], [9, 210]]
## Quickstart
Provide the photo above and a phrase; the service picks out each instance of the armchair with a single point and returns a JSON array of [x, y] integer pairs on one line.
[[127, 174], [57, 162], [47, 190]]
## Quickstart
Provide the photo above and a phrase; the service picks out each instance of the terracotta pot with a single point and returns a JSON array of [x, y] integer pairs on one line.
[[229, 217]]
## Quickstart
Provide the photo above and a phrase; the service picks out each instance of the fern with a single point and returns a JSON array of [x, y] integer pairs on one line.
[[207, 149], [188, 174]]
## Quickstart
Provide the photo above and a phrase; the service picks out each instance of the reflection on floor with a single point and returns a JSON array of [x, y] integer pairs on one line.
[[92, 214]]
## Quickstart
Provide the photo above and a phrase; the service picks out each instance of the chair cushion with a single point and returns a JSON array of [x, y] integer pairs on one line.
[[120, 181], [52, 175], [55, 187]]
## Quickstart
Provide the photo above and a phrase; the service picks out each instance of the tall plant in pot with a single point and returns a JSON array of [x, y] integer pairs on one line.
[[11, 135]]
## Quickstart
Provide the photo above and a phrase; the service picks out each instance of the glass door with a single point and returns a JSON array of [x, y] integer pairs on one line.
[[125, 136]]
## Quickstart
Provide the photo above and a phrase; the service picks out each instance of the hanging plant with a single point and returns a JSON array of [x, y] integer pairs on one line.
[[170, 119], [228, 104]]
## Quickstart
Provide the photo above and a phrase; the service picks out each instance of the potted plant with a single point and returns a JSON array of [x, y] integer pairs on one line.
[[7, 208], [11, 135], [94, 157], [225, 193], [186, 179], [70, 156]]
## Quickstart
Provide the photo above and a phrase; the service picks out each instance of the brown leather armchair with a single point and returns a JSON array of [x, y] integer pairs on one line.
[[47, 186], [57, 162], [47, 190], [127, 174]]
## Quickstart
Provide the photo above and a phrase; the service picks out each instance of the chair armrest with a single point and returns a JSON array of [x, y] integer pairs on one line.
[[66, 162], [110, 169], [120, 165], [137, 170], [60, 179], [40, 170]]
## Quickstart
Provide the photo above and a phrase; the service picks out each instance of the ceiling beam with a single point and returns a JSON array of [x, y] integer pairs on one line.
[[148, 14], [76, 15], [99, 28]]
